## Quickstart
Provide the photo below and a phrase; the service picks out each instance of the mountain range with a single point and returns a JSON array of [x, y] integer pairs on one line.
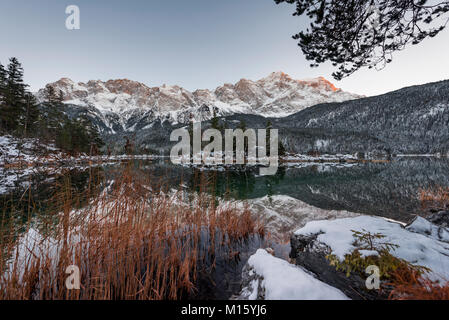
[[312, 115], [120, 102]]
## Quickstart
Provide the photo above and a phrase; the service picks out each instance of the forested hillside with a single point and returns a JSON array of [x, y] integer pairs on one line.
[[21, 116], [410, 120]]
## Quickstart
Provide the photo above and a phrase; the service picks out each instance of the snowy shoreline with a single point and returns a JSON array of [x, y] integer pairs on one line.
[[16, 153], [267, 277]]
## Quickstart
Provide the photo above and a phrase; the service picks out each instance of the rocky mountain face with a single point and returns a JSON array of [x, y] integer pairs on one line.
[[128, 106]]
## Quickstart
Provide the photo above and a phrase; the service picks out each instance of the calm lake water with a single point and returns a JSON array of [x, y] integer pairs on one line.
[[384, 189]]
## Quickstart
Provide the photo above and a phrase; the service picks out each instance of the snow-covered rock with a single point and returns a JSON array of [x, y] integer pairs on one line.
[[422, 226], [312, 244], [269, 278], [417, 244], [440, 218]]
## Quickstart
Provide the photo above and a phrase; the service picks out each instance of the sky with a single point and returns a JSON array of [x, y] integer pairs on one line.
[[197, 44]]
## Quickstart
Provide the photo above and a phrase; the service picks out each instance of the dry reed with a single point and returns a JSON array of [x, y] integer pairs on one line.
[[128, 242], [437, 197], [409, 284]]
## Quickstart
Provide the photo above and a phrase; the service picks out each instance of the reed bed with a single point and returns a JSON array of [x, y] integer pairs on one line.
[[409, 284], [437, 197], [128, 241]]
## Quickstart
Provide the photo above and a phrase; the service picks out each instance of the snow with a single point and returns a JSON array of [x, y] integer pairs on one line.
[[8, 146], [439, 108], [19, 160], [422, 226], [418, 249], [322, 144], [14, 149], [281, 280], [324, 157], [368, 253]]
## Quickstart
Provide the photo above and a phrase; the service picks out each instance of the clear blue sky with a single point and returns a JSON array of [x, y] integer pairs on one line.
[[192, 43]]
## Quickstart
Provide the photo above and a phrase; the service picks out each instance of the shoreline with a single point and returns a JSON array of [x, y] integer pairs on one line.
[[49, 161]]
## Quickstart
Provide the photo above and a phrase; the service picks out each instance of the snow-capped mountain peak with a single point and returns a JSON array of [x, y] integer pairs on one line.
[[276, 95]]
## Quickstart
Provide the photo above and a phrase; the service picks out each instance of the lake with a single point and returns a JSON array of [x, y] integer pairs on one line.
[[385, 189]]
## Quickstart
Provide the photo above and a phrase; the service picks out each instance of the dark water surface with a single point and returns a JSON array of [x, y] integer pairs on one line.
[[384, 189]]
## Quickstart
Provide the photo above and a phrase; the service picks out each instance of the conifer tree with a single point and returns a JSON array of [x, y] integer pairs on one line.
[[31, 117], [14, 97], [2, 95], [281, 148], [268, 127], [214, 121], [54, 117], [19, 112], [91, 135], [361, 33], [2, 77], [243, 127]]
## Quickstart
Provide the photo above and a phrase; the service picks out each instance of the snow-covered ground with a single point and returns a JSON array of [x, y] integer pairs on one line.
[[13, 150], [31, 152], [422, 226], [321, 166], [276, 279]]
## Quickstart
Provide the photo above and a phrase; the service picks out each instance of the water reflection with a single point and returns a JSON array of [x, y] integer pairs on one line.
[[385, 189]]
